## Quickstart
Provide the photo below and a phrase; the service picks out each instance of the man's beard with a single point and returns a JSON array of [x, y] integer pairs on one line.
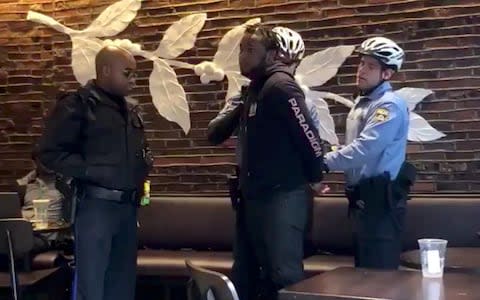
[[367, 91], [258, 71]]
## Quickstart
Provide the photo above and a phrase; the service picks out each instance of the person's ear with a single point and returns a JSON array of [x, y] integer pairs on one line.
[[106, 70], [387, 74]]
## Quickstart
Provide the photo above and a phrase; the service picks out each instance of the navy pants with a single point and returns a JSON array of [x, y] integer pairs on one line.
[[105, 250], [268, 249]]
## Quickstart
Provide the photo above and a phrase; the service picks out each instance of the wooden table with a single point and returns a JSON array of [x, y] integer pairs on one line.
[[351, 283], [462, 260], [52, 227]]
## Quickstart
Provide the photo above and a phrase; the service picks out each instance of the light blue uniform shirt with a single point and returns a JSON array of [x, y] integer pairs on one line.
[[376, 137]]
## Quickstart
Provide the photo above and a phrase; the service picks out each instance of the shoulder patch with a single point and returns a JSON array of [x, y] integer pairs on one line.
[[381, 114]]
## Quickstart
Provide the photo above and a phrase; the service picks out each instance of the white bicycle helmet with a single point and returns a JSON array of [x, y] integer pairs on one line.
[[290, 42], [385, 50]]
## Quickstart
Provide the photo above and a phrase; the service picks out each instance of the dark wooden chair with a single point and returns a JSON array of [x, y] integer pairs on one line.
[[212, 285], [16, 242]]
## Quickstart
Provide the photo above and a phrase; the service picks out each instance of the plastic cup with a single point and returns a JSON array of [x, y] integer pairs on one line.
[[432, 256], [40, 209], [433, 289]]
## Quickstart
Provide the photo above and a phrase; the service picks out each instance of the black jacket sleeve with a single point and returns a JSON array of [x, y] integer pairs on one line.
[[288, 101], [225, 123], [149, 159], [147, 153], [59, 147]]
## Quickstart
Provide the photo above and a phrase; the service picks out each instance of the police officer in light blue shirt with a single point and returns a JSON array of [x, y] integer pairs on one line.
[[374, 152]]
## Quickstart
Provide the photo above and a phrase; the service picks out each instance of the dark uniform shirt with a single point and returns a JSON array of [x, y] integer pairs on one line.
[[96, 138]]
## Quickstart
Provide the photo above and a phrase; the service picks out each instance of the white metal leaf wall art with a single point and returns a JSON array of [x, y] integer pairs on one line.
[[225, 61], [113, 20], [321, 66], [168, 95], [315, 70], [419, 130]]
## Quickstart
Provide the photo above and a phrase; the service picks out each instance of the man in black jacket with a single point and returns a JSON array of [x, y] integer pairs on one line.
[[96, 137], [279, 154]]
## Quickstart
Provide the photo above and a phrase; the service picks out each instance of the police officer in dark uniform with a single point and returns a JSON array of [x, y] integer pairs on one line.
[[97, 137], [280, 154], [377, 176]]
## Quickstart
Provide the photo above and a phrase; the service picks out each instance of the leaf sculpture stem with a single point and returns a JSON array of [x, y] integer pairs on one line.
[[337, 98], [174, 63], [180, 64], [49, 21]]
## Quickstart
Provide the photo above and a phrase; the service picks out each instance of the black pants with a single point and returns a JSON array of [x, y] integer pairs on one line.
[[378, 238], [268, 250], [105, 250]]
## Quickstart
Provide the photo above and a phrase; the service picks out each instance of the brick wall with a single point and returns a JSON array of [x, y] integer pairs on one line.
[[441, 38]]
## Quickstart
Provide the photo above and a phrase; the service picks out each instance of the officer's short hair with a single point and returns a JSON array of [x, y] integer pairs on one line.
[[267, 36]]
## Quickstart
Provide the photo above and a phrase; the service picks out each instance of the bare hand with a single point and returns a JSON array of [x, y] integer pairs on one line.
[[320, 188], [149, 160]]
